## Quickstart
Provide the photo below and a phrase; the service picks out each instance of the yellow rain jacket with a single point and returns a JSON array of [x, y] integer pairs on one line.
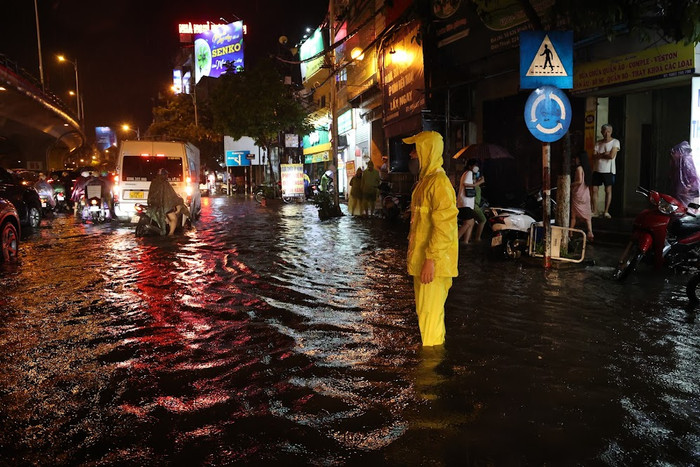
[[433, 233]]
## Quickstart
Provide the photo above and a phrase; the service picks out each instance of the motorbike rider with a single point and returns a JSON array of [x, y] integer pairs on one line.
[[45, 189], [164, 203], [326, 180], [79, 189]]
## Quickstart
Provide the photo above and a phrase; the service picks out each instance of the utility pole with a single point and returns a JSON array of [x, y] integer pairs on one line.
[[38, 41], [334, 98]]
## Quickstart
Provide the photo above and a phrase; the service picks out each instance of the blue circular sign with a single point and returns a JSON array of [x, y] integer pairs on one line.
[[548, 113]]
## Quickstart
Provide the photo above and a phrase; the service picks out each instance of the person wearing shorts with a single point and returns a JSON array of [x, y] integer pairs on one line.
[[465, 205], [606, 150]]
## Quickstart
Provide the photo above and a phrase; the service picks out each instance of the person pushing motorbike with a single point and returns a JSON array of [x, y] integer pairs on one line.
[[164, 205]]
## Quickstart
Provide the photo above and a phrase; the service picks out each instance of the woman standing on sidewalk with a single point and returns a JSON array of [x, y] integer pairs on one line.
[[581, 195]]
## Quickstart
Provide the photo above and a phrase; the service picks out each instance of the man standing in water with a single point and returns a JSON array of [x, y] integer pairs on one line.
[[432, 240]]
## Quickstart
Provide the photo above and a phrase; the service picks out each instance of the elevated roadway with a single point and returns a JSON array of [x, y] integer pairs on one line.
[[37, 130]]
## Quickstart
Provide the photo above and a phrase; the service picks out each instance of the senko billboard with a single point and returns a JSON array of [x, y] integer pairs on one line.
[[215, 48]]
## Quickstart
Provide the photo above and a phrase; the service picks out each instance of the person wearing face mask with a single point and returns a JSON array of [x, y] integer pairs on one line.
[[432, 240], [465, 204], [478, 181]]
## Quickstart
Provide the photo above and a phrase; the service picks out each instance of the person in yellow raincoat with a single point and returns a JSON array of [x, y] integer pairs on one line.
[[432, 240]]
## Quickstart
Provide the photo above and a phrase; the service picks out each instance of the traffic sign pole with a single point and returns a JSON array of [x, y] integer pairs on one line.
[[546, 203]]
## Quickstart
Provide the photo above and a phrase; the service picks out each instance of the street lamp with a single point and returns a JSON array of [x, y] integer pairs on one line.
[[126, 127], [78, 98]]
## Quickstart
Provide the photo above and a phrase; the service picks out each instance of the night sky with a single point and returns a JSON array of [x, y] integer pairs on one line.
[[126, 50]]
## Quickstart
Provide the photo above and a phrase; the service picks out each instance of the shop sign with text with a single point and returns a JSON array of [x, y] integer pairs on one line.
[[404, 82], [292, 179], [216, 48], [654, 63]]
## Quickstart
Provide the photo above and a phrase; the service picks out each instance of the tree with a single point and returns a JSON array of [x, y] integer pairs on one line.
[[677, 20], [256, 103], [175, 120]]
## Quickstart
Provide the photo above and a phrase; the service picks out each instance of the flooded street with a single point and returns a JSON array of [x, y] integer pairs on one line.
[[268, 336]]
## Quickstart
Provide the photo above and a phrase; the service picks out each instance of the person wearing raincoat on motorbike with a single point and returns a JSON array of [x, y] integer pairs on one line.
[[164, 205], [432, 240]]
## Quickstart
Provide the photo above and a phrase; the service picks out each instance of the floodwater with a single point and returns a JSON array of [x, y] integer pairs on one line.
[[268, 336]]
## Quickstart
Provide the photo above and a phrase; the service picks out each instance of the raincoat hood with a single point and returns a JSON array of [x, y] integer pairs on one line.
[[429, 147]]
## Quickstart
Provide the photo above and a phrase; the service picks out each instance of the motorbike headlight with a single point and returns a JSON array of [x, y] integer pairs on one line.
[[665, 207]]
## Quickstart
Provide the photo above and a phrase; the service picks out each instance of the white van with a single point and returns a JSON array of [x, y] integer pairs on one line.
[[139, 162]]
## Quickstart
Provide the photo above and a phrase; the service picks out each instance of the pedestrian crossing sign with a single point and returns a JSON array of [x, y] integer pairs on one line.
[[546, 59]]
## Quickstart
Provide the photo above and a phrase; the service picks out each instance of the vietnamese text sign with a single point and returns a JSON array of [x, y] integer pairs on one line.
[[323, 156], [215, 48], [310, 48], [404, 83], [657, 62], [292, 179]]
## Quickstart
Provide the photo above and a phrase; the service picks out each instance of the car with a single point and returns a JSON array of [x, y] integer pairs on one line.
[[9, 231], [27, 177], [24, 198]]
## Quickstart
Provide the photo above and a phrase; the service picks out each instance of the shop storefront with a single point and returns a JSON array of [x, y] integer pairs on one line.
[[317, 153], [647, 96]]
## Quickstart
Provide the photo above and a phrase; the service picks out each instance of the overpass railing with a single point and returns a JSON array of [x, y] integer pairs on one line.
[[33, 84]]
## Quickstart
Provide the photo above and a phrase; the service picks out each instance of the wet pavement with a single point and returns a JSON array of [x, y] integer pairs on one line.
[[267, 336]]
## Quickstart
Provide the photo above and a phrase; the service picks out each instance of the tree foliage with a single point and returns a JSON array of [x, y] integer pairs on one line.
[[256, 103], [677, 20], [175, 120]]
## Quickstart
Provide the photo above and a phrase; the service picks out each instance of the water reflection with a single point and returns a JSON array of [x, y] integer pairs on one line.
[[266, 335]]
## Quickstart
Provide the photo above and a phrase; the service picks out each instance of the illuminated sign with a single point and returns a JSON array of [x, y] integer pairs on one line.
[[665, 61], [105, 137], [316, 138], [323, 156], [214, 49], [292, 176], [310, 48], [177, 81], [187, 30], [345, 122], [291, 140], [403, 75]]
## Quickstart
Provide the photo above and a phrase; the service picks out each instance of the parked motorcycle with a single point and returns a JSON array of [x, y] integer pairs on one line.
[[94, 206], [396, 205], [510, 227], [668, 231]]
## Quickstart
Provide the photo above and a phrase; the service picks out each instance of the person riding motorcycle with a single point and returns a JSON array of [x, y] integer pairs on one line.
[[79, 189], [45, 189], [326, 181], [164, 203]]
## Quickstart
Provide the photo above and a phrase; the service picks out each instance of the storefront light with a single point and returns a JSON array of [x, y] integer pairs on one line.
[[356, 54]]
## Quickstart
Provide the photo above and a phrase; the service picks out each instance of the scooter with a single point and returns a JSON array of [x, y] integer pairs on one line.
[[510, 227], [147, 225], [668, 230], [93, 206]]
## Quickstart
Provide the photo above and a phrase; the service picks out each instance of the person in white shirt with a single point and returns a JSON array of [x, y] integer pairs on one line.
[[606, 150], [466, 195]]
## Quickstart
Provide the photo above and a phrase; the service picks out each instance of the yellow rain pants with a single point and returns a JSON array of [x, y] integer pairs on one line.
[[430, 307]]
